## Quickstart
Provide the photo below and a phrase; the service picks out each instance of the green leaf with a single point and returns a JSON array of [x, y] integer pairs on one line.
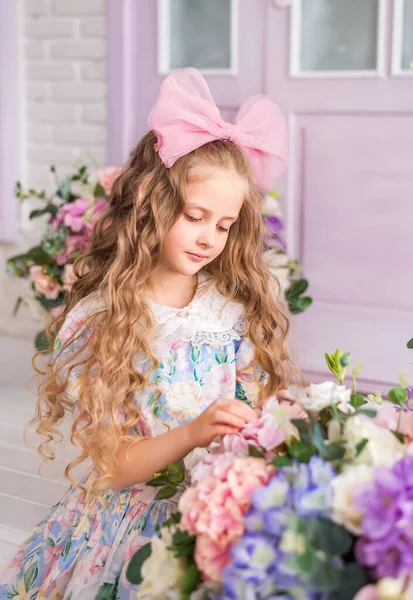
[[297, 288], [176, 474], [192, 579], [50, 209], [161, 479], [50, 542], [334, 451], [51, 303], [398, 436], [255, 452], [30, 576], [64, 189], [367, 412], [332, 539], [67, 548], [299, 305], [325, 577], [345, 359], [357, 400], [398, 396], [99, 191], [168, 491], [39, 256], [302, 426], [19, 302], [281, 461], [41, 342], [133, 573], [306, 562], [300, 451], [361, 445], [351, 579], [318, 438], [410, 344]]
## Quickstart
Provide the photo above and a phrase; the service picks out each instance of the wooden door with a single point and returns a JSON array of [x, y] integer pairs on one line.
[[340, 72]]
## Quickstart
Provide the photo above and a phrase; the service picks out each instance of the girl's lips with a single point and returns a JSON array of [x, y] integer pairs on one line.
[[196, 257]]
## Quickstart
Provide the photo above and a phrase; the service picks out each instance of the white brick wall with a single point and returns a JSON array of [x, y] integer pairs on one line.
[[63, 53], [65, 83]]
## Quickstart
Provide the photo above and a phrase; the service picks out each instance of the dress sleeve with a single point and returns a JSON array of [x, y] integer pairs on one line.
[[250, 378], [70, 351]]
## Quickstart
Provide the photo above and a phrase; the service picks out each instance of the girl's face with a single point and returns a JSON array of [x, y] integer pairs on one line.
[[214, 199]]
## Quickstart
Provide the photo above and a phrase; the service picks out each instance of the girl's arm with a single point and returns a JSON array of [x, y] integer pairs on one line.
[[138, 462]]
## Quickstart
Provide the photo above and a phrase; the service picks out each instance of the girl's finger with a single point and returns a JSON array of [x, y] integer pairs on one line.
[[226, 418]]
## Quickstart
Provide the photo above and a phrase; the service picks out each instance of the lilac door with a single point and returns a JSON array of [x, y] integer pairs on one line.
[[340, 72]]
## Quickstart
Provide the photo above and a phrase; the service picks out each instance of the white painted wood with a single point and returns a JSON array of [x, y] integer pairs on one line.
[[397, 40]]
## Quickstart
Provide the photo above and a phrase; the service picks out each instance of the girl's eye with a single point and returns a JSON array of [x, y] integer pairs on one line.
[[223, 229], [192, 219]]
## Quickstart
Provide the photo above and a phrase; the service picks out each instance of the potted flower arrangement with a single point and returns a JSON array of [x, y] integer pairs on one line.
[[72, 210]]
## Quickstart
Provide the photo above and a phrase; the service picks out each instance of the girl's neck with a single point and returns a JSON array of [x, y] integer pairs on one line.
[[172, 289]]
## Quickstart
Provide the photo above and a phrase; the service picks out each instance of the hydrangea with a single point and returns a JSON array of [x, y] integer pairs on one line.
[[274, 557], [386, 507]]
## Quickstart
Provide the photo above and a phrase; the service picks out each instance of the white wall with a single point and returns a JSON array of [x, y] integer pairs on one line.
[[63, 108]]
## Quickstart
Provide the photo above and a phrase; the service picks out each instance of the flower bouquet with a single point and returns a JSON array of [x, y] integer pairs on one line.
[[72, 211], [313, 501]]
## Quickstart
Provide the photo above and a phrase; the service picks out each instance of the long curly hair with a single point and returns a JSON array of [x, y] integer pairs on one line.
[[146, 200]]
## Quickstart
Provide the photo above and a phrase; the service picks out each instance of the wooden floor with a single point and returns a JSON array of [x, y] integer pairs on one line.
[[25, 497]]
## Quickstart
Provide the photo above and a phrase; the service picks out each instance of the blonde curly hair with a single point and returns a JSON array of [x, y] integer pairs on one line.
[[146, 200]]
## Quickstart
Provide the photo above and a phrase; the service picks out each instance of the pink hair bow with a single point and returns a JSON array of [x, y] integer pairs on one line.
[[186, 117]]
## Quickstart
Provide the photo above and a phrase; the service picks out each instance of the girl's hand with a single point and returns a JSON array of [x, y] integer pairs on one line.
[[220, 418]]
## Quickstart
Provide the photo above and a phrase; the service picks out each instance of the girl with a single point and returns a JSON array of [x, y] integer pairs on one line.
[[170, 336]]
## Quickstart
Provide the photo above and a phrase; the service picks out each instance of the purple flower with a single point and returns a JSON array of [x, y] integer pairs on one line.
[[386, 506], [273, 233]]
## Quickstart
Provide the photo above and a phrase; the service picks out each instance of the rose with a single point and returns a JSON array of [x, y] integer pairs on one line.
[[344, 511], [162, 571], [382, 449], [318, 396], [43, 283], [107, 178]]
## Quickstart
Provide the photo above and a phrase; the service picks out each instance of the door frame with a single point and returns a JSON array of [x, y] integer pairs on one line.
[[10, 11]]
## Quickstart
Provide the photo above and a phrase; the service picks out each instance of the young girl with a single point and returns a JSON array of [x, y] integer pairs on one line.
[[170, 336]]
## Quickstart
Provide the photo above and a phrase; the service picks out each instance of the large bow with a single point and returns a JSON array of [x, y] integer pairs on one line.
[[186, 117]]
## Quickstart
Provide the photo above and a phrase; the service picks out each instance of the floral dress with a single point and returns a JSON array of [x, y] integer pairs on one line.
[[81, 550]]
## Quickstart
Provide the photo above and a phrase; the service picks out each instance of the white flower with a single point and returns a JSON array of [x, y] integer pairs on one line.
[[184, 399], [162, 573], [344, 511], [382, 449], [320, 395]]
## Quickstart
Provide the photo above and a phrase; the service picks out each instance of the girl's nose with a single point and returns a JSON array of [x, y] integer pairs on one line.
[[207, 237]]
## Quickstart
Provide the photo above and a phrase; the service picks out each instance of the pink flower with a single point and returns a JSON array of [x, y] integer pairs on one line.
[[211, 558], [74, 244], [368, 592], [68, 277], [107, 178], [213, 464], [43, 283], [80, 215], [57, 311], [215, 505], [245, 475], [236, 444]]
